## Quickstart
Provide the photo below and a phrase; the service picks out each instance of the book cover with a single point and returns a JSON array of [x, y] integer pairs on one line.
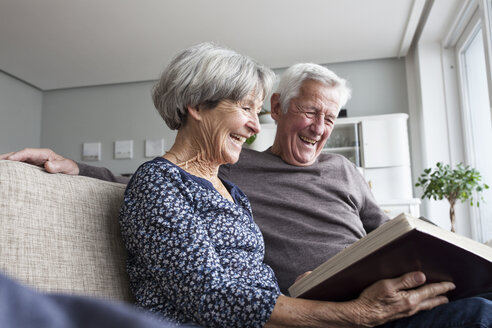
[[401, 245]]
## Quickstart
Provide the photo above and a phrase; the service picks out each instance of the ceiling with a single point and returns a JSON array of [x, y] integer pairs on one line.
[[53, 44]]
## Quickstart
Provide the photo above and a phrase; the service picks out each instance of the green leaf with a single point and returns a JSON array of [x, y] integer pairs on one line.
[[250, 140], [459, 183]]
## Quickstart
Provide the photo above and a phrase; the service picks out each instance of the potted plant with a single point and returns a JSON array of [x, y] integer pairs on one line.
[[461, 183]]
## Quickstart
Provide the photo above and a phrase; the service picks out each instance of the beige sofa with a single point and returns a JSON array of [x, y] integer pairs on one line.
[[61, 233]]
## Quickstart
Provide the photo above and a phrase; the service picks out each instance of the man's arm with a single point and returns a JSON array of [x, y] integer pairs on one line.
[[371, 214], [100, 173], [51, 161], [54, 163]]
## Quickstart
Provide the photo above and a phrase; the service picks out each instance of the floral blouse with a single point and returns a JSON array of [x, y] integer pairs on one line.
[[194, 256]]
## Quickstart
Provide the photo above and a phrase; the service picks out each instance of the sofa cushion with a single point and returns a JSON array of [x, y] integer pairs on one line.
[[61, 233]]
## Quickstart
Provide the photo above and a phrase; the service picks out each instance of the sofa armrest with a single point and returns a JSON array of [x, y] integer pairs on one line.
[[61, 233]]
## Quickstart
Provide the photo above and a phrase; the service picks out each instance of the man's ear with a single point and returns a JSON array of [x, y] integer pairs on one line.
[[275, 106], [195, 113]]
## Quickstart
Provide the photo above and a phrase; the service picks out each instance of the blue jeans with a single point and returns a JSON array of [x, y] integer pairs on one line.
[[472, 312], [23, 307]]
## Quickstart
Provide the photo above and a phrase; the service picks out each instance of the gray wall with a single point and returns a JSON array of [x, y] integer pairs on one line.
[[120, 112], [102, 114], [20, 114], [378, 86]]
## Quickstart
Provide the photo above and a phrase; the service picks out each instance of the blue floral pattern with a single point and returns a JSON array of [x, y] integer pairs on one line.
[[194, 256]]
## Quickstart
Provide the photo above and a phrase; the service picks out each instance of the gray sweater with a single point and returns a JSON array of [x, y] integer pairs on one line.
[[306, 214]]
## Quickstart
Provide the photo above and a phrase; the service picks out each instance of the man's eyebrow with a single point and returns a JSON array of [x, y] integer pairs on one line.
[[309, 106]]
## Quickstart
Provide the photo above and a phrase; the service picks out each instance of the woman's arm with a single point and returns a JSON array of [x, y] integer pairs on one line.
[[384, 301]]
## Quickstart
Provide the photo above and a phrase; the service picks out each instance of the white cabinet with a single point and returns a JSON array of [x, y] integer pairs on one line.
[[379, 146], [394, 207], [394, 182], [385, 141], [346, 141]]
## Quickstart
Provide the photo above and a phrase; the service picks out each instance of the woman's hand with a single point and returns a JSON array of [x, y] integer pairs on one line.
[[51, 161], [383, 301], [391, 299]]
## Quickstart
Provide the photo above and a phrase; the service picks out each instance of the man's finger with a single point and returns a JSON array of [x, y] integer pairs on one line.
[[409, 281], [432, 303], [303, 275], [27, 155], [6, 155], [61, 166], [433, 290]]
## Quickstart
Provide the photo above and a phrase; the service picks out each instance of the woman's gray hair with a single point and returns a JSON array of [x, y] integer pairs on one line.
[[202, 76], [292, 79]]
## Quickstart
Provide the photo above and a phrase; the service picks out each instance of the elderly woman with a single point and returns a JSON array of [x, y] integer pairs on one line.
[[195, 254]]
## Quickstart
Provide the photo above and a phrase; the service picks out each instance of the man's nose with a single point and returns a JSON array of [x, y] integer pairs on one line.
[[318, 125]]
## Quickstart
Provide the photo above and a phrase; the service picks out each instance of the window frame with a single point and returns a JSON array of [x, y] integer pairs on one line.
[[479, 20]]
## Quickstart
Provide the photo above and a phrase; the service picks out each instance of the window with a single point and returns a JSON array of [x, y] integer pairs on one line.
[[476, 113]]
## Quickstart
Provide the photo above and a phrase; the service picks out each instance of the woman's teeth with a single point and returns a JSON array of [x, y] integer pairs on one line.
[[311, 141], [238, 138]]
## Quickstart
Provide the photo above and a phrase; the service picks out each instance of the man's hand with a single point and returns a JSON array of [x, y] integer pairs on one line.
[[392, 299], [51, 161]]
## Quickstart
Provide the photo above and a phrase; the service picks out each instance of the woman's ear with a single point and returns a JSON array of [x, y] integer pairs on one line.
[[276, 109], [195, 113]]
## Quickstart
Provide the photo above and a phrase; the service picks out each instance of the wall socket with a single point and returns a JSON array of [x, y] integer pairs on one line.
[[154, 147], [91, 151], [123, 149]]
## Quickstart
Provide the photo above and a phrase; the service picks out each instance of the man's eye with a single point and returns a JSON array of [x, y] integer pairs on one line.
[[247, 108], [328, 121]]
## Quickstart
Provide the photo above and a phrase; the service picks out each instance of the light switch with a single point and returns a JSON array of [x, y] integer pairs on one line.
[[91, 151], [123, 149], [154, 147]]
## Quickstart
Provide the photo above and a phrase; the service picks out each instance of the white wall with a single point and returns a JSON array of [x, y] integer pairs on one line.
[[20, 114], [103, 114]]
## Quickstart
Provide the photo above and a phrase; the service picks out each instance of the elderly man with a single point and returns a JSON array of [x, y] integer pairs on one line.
[[308, 205]]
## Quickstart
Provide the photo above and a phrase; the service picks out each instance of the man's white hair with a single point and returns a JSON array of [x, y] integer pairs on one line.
[[292, 79]]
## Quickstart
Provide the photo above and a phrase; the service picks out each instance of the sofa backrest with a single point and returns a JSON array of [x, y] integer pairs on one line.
[[61, 233]]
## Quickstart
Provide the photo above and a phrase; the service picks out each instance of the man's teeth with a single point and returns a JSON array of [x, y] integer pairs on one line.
[[238, 137], [311, 141]]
